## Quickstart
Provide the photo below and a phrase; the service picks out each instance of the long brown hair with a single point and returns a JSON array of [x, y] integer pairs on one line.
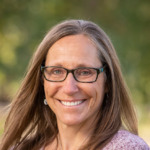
[[32, 125]]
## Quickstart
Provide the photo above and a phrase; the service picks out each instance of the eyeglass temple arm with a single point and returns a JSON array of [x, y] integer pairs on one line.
[[102, 69], [42, 68]]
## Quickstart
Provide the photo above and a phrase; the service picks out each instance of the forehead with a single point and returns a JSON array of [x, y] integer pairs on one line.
[[74, 51]]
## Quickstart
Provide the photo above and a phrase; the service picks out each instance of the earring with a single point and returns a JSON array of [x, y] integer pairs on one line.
[[45, 101]]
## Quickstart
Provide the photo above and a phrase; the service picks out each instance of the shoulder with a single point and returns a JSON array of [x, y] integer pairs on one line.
[[124, 140]]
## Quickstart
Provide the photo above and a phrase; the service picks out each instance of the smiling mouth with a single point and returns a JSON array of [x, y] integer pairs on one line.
[[72, 103]]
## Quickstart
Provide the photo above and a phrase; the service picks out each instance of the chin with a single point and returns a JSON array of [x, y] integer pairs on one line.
[[71, 121]]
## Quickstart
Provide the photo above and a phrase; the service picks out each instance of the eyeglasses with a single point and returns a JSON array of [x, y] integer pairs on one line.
[[83, 74]]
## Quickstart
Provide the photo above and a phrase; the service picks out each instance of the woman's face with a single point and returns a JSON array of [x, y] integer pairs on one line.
[[72, 52]]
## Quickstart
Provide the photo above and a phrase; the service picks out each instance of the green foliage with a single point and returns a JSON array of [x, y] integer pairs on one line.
[[24, 23]]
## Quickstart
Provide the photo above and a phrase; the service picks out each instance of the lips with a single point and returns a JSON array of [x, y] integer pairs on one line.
[[75, 103]]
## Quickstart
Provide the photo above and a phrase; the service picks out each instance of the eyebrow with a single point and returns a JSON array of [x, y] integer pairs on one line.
[[61, 64], [77, 66]]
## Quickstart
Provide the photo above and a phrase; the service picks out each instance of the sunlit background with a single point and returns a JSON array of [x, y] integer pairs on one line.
[[23, 24]]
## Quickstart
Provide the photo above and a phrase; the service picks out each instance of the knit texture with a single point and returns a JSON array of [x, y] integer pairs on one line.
[[125, 140]]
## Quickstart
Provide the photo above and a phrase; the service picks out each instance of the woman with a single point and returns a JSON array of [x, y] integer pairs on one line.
[[73, 96]]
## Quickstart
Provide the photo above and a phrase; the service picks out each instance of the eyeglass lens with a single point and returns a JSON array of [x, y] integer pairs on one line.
[[59, 74]]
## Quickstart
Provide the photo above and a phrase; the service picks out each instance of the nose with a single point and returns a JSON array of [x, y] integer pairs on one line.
[[70, 85]]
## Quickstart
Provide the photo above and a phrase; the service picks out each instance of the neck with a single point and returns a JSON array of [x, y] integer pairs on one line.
[[73, 147], [73, 137]]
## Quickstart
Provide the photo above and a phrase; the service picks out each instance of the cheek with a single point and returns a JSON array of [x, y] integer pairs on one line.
[[46, 89], [97, 92], [50, 89]]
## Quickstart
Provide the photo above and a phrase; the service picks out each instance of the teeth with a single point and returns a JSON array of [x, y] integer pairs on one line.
[[71, 103]]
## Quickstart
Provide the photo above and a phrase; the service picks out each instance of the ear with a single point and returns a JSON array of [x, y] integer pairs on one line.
[[42, 80], [42, 76], [106, 87], [106, 83]]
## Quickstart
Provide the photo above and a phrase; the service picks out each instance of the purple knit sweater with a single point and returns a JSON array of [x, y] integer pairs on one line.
[[125, 140]]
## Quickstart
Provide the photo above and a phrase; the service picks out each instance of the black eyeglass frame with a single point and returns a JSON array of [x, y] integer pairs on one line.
[[99, 70]]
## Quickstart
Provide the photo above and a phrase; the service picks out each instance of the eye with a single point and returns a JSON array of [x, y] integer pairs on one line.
[[84, 72], [57, 71]]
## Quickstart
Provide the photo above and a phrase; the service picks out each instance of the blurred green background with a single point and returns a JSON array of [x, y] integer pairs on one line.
[[23, 24]]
